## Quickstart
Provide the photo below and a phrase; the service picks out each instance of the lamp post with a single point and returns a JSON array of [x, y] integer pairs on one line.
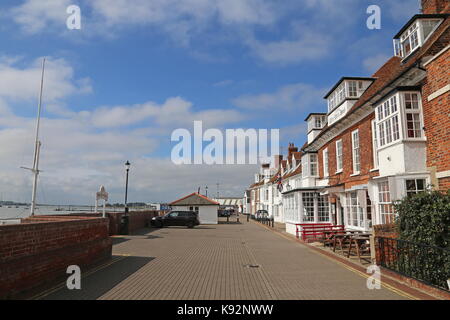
[[127, 168]]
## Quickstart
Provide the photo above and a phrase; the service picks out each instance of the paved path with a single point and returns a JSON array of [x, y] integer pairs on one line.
[[212, 262]]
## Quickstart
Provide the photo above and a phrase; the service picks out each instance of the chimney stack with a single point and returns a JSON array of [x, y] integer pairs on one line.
[[292, 148]]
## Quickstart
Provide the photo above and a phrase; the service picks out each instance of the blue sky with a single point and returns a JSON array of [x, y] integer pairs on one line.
[[139, 69]]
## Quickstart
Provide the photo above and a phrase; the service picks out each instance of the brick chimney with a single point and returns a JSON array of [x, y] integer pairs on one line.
[[291, 150], [435, 6]]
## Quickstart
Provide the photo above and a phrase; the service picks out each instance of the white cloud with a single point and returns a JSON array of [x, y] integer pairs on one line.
[[373, 63], [290, 97], [172, 113], [76, 159], [39, 15], [216, 20], [306, 48], [22, 83], [83, 149]]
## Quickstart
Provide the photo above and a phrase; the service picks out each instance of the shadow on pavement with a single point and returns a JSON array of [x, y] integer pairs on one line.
[[101, 281], [116, 240], [229, 222]]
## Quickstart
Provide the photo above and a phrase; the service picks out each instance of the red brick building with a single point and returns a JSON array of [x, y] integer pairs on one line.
[[383, 137]]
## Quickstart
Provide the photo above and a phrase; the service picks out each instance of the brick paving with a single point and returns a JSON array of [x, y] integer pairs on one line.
[[216, 263]]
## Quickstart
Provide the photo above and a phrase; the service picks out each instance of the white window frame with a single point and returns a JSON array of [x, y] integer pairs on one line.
[[352, 84], [388, 120], [385, 206], [416, 112], [339, 156], [416, 189], [413, 36], [313, 164], [418, 27], [356, 152], [307, 197], [326, 173], [376, 160], [323, 209]]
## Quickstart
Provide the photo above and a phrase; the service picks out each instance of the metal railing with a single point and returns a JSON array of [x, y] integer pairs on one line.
[[266, 220], [428, 264]]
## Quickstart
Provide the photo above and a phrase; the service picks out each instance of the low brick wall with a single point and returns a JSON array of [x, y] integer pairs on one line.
[[137, 220], [384, 231], [37, 252]]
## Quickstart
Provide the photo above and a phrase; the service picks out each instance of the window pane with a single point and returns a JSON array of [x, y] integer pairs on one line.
[[411, 185], [420, 184]]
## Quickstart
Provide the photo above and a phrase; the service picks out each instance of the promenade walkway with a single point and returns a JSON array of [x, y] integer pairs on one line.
[[225, 261]]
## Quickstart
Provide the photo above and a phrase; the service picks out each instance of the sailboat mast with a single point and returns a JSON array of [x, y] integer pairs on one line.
[[37, 145]]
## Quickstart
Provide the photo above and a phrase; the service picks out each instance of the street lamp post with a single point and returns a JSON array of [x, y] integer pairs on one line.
[[127, 168]]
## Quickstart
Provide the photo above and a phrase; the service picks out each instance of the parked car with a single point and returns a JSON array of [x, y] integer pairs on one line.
[[176, 218], [224, 213]]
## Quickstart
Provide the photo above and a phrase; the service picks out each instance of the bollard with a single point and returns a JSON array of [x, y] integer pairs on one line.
[[228, 218], [248, 218]]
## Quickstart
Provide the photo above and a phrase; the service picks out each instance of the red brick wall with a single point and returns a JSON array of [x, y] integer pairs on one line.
[[437, 115], [137, 220], [366, 155], [385, 231], [444, 183], [434, 6], [37, 252]]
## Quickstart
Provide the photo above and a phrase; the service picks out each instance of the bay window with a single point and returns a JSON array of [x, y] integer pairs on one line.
[[400, 111]]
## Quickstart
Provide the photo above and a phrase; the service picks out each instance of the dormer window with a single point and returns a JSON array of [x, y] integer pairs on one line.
[[346, 88], [415, 33]]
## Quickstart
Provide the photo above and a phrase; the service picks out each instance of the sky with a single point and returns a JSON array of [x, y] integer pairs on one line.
[[138, 69]]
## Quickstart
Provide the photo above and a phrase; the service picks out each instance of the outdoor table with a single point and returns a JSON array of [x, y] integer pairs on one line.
[[359, 241], [341, 239], [329, 236]]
